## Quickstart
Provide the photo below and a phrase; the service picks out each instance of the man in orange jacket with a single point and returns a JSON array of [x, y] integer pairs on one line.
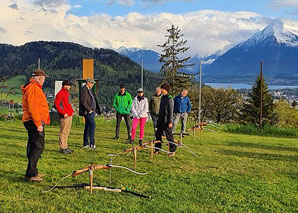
[[35, 116], [64, 108]]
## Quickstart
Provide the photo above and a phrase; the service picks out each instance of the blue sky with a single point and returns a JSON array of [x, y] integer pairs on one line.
[[113, 8]]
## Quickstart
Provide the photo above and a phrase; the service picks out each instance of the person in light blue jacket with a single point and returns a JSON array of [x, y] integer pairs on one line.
[[182, 107]]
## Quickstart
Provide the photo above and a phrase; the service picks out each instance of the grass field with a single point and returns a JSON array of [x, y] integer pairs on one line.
[[232, 173]]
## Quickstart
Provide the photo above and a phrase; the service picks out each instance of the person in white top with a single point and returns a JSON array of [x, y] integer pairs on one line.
[[139, 111]]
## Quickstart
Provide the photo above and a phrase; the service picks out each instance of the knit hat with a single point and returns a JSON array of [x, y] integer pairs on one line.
[[165, 86], [67, 82]]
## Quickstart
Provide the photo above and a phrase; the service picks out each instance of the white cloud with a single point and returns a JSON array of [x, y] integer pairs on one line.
[[77, 6], [206, 31], [126, 2], [283, 3]]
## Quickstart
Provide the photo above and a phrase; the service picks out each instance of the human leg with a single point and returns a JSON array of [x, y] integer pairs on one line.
[[86, 131], [175, 121], [127, 121], [135, 122], [118, 122], [183, 122], [35, 148]]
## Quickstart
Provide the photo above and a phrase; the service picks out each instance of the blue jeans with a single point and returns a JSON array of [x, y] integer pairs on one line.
[[89, 129], [183, 117]]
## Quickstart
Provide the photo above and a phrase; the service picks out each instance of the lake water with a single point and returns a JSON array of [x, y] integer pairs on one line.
[[246, 86]]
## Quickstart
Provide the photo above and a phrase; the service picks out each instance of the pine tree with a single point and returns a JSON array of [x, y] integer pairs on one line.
[[172, 64], [251, 112]]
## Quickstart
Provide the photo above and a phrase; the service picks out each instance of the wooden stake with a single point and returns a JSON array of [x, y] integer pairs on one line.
[[194, 133], [151, 149], [135, 156], [90, 180]]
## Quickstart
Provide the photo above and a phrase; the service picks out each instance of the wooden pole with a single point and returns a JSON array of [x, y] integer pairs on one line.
[[261, 94], [38, 66], [200, 92], [194, 133], [90, 180], [142, 76], [135, 157], [151, 149]]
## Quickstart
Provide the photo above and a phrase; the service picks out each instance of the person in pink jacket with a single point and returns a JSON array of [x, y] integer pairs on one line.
[[139, 111]]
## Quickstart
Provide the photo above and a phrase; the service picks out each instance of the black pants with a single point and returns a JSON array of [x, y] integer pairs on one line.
[[35, 147], [127, 121], [89, 130], [163, 127]]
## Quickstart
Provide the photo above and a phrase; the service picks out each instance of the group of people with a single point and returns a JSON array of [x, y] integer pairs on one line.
[[164, 110]]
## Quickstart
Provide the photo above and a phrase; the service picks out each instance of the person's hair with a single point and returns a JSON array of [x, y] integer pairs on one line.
[[157, 88], [185, 90]]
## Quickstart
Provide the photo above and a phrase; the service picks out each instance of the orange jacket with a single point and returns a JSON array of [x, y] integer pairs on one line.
[[35, 105]]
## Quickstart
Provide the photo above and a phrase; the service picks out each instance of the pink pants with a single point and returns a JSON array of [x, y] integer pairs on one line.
[[135, 122]]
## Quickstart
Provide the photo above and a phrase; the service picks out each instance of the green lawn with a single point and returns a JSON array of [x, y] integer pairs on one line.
[[232, 173]]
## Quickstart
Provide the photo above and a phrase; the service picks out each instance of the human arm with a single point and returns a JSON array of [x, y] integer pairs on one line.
[[129, 101], [188, 105], [115, 104], [84, 98], [59, 103], [134, 109], [170, 112], [33, 97]]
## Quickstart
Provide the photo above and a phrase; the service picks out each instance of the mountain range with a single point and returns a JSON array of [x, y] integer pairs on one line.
[[275, 45]]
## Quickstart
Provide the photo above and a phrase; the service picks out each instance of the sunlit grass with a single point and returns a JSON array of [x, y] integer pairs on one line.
[[232, 172]]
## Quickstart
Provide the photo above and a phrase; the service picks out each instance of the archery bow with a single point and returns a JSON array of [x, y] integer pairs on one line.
[[104, 188]]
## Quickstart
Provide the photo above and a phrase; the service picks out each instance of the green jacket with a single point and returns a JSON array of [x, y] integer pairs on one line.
[[122, 103]]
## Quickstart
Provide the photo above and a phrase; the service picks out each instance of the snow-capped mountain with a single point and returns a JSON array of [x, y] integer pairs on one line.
[[150, 58], [275, 45]]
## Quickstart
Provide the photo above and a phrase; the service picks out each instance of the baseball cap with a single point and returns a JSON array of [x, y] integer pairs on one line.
[[91, 80]]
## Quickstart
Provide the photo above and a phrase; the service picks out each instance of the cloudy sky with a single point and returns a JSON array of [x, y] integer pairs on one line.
[[208, 25]]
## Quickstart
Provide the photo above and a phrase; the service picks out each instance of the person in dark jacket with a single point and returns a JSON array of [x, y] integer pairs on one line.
[[122, 104], [182, 107], [88, 107], [154, 107], [165, 120], [64, 108]]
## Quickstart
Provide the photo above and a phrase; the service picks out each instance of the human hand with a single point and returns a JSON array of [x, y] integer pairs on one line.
[[40, 128], [65, 115]]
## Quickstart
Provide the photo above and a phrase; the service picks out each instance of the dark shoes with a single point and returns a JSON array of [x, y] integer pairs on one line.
[[65, 151], [116, 137], [140, 143], [33, 179]]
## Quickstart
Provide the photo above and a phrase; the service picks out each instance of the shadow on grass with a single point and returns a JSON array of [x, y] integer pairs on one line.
[[261, 146], [263, 156], [12, 176]]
